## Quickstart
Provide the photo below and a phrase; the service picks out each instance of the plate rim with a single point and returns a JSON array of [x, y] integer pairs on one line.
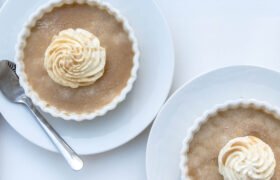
[[168, 88], [179, 89]]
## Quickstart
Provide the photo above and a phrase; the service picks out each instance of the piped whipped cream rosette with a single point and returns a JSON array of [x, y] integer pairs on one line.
[[246, 158], [75, 58]]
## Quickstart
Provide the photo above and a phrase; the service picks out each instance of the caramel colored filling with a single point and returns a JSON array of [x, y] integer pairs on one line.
[[112, 37], [218, 130]]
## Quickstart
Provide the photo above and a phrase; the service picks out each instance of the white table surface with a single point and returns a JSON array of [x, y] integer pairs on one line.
[[207, 34]]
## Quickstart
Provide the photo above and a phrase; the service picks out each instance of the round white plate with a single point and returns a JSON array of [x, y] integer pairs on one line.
[[191, 100], [131, 116]]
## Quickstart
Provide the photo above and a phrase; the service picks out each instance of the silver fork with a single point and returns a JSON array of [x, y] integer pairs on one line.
[[9, 85]]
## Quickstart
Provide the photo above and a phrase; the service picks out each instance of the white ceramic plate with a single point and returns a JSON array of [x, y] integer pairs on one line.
[[191, 100], [134, 114]]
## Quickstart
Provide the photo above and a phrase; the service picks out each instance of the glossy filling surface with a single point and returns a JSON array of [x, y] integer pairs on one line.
[[119, 58], [218, 130]]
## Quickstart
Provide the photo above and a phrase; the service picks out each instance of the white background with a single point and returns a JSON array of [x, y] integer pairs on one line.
[[207, 34]]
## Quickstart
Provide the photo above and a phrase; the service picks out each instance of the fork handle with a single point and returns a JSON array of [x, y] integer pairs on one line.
[[67, 152]]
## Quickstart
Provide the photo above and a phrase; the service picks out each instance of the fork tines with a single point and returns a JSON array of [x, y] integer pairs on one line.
[[12, 66]]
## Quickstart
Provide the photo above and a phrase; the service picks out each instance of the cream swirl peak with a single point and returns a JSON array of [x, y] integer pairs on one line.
[[75, 58], [246, 158]]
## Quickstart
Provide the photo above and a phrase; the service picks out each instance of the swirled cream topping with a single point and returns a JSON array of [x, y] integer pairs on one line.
[[75, 58], [246, 158]]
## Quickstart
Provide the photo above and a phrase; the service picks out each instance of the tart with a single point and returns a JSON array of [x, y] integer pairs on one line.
[[235, 140], [77, 59]]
